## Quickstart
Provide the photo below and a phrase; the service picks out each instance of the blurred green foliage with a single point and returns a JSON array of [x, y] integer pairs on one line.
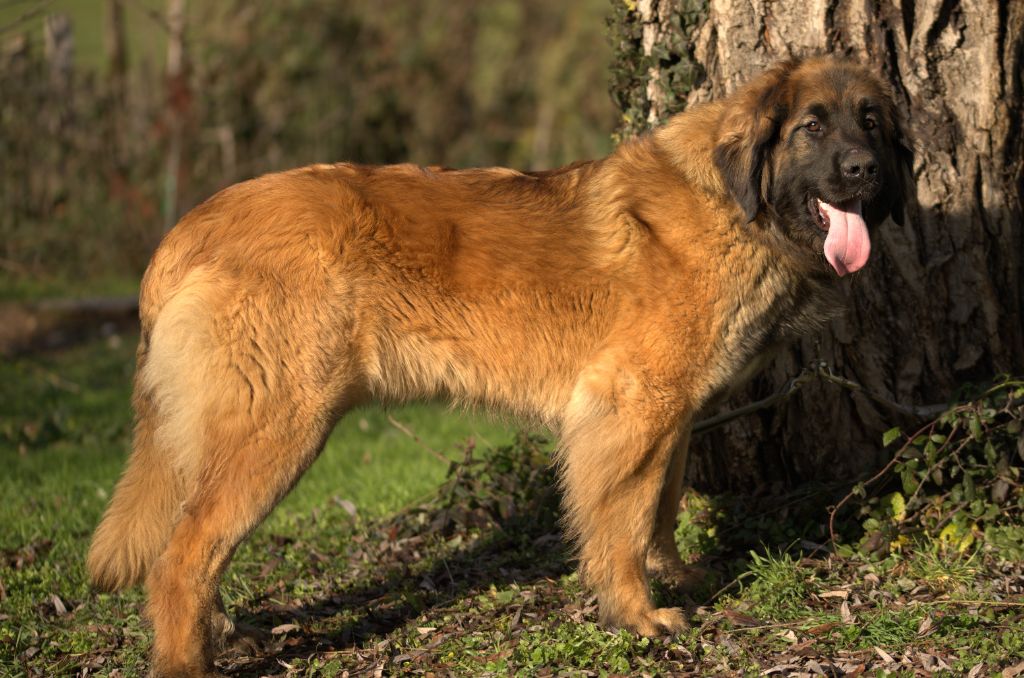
[[273, 85]]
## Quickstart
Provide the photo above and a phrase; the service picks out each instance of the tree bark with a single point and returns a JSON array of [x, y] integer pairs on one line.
[[178, 102], [115, 37], [940, 304]]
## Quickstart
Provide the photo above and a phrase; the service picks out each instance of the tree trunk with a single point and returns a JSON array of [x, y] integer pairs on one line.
[[178, 102], [115, 37], [940, 304]]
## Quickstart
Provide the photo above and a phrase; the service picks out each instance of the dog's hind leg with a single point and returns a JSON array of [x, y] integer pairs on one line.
[[248, 468], [248, 379], [663, 560]]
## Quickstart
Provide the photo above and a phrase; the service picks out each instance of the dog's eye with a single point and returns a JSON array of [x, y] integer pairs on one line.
[[813, 126], [869, 122]]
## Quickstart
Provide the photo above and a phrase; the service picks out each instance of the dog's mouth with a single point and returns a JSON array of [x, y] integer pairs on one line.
[[847, 244]]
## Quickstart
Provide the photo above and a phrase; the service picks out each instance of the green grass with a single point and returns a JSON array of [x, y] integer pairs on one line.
[[38, 288], [462, 573], [379, 468], [65, 425], [64, 435], [146, 39]]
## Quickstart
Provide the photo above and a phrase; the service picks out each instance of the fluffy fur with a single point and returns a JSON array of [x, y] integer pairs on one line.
[[609, 299]]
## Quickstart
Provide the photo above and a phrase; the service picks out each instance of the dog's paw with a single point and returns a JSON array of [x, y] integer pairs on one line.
[[159, 672], [236, 639], [246, 641], [654, 622], [667, 621]]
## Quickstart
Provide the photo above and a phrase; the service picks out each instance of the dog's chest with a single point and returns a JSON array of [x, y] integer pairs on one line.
[[775, 309]]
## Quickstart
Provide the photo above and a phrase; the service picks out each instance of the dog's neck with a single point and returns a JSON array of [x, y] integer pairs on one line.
[[672, 202]]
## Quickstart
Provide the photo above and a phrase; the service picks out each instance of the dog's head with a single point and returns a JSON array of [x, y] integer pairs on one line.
[[816, 148]]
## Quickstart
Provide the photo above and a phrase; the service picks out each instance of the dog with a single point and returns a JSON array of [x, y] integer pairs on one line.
[[611, 300]]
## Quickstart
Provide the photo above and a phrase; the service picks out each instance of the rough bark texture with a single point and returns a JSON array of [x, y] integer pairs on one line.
[[940, 304]]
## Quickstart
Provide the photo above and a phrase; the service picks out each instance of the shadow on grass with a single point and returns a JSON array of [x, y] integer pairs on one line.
[[375, 609], [495, 525]]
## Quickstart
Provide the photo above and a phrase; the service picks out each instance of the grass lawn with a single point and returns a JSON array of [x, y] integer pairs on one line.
[[457, 568], [147, 40]]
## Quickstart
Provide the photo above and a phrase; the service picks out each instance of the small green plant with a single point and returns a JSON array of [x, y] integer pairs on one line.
[[778, 587], [959, 480], [511, 486], [580, 646]]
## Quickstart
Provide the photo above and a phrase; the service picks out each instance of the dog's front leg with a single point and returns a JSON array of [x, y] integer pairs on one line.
[[614, 468]]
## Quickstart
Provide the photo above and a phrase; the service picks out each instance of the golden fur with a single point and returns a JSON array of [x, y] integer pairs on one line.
[[610, 300]]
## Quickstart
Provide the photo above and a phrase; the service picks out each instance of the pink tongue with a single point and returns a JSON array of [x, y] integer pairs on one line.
[[847, 245]]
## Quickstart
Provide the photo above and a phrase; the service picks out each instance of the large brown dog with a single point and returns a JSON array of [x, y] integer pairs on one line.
[[610, 299]]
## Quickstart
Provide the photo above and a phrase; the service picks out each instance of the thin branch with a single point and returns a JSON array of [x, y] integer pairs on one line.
[[31, 14], [819, 370], [920, 411], [152, 15], [12, 3], [404, 429], [885, 469], [790, 387], [762, 627]]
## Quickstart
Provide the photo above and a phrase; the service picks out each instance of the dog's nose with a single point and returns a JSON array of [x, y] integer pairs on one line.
[[859, 164]]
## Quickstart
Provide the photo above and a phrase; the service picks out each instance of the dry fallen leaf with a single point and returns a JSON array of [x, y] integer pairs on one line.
[[58, 605], [740, 619], [804, 648], [885, 656], [838, 593], [926, 627], [928, 662], [1012, 671], [815, 668], [779, 668], [284, 628], [844, 612], [789, 636], [823, 628]]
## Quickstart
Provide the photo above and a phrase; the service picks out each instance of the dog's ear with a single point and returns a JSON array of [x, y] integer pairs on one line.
[[747, 131], [904, 189]]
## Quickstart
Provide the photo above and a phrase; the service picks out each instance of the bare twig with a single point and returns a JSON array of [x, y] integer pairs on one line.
[[989, 603], [27, 16], [404, 429], [791, 387], [920, 411], [819, 370], [732, 584], [762, 627], [152, 15], [56, 380], [885, 469]]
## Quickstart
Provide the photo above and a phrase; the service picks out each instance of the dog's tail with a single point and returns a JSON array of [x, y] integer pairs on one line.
[[145, 506]]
